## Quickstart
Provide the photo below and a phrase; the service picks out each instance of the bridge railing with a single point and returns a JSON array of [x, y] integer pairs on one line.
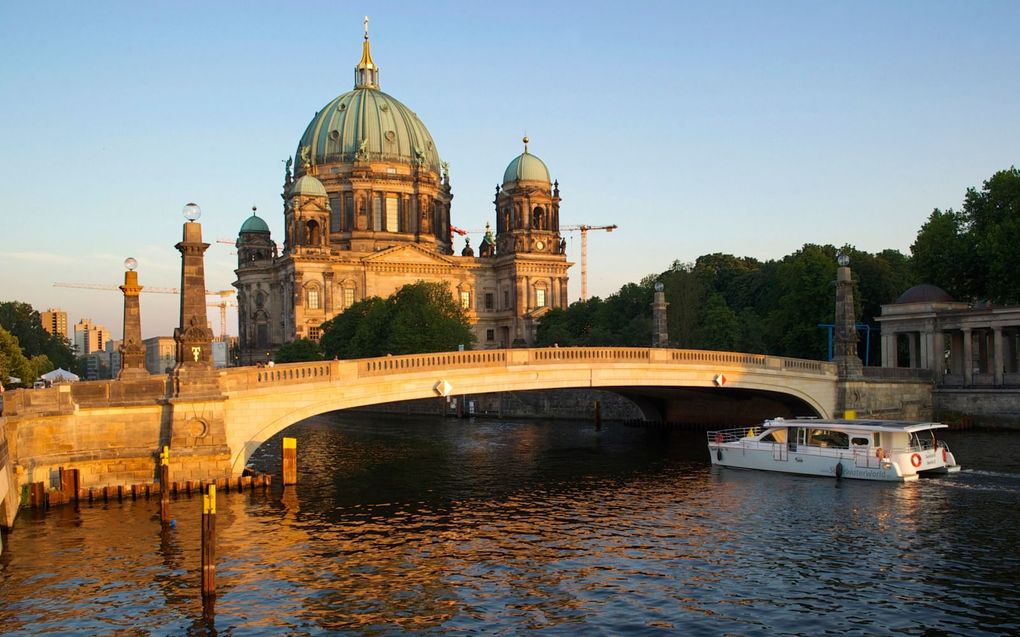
[[297, 373]]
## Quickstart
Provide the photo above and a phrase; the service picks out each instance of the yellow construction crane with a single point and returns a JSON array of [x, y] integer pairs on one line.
[[223, 294], [584, 251]]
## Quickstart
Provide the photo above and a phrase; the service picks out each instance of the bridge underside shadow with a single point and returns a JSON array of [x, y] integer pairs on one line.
[[714, 406]]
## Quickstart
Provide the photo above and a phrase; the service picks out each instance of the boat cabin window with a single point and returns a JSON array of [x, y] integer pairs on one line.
[[859, 442], [828, 438]]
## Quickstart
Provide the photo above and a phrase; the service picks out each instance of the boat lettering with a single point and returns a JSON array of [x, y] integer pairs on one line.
[[864, 473]]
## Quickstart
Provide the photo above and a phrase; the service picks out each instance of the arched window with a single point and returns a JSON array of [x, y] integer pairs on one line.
[[312, 298], [313, 236], [538, 218]]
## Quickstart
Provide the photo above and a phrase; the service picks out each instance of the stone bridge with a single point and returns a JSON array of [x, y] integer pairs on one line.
[[112, 430]]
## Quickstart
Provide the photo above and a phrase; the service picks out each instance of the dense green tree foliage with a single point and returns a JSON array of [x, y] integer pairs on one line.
[[46, 351], [972, 253], [298, 351], [622, 319], [418, 318], [13, 362], [724, 302]]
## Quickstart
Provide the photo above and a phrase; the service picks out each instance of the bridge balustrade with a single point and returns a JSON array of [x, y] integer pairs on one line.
[[295, 373]]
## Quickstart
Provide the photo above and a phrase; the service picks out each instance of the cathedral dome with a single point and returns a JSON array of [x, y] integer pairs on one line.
[[254, 223], [526, 167], [368, 124], [308, 186]]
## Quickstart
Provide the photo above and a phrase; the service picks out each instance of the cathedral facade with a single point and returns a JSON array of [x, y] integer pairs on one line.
[[367, 211]]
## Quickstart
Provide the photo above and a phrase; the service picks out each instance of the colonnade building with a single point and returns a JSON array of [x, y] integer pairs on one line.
[[367, 210], [962, 345]]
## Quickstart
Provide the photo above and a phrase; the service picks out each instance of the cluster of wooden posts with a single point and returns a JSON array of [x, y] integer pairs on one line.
[[71, 491]]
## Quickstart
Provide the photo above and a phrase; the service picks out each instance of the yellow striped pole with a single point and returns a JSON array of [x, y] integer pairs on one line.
[[164, 486], [289, 461], [209, 543]]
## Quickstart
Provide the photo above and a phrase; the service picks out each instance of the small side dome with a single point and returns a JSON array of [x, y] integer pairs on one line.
[[308, 186], [468, 251], [526, 167], [254, 223], [925, 293]]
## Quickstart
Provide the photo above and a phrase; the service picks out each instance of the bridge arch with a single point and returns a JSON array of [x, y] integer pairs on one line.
[[261, 402]]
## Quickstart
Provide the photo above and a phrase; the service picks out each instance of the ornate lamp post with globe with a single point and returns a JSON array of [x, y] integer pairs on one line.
[[193, 372], [132, 351]]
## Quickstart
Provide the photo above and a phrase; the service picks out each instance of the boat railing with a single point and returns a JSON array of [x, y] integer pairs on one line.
[[723, 436]]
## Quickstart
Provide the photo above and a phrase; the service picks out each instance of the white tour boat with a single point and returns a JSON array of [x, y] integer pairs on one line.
[[863, 449]]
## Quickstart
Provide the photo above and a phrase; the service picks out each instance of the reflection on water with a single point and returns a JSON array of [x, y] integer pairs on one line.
[[432, 525]]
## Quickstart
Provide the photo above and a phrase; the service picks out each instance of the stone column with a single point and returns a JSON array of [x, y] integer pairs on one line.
[[845, 337], [327, 301], [927, 346], [194, 373], [132, 350], [939, 354], [193, 336], [997, 359], [889, 348], [968, 357], [660, 330]]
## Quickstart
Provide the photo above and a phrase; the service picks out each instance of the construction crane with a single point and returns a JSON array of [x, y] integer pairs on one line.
[[223, 294], [584, 251]]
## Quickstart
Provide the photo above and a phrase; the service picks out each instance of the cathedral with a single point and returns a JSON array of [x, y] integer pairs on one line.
[[367, 210]]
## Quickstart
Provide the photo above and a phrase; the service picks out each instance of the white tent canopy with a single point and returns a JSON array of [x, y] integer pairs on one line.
[[60, 375]]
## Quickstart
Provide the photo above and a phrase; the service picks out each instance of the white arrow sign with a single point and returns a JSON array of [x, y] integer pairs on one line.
[[443, 388]]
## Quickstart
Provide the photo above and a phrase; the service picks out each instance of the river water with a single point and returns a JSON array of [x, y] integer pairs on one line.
[[431, 525]]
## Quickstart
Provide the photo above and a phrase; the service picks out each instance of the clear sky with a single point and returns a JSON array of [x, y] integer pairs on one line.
[[742, 127]]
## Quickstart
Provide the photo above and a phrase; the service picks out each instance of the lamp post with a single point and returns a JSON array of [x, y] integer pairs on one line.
[[132, 351], [193, 336]]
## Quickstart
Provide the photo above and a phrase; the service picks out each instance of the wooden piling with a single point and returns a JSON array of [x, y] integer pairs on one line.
[[209, 543], [164, 486], [69, 484], [289, 461], [598, 416]]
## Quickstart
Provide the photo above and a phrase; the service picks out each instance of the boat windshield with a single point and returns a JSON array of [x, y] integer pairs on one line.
[[776, 435], [924, 439]]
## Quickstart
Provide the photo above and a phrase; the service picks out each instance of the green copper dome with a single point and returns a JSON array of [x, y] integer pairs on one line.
[[308, 186], [368, 124], [254, 223], [526, 167]]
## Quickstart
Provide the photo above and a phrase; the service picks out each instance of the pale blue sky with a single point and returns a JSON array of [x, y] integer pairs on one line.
[[741, 127]]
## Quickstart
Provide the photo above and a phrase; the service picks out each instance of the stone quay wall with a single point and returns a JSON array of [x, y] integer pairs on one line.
[[995, 408]]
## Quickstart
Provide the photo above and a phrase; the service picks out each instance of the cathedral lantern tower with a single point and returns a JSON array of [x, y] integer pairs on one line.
[[527, 208]]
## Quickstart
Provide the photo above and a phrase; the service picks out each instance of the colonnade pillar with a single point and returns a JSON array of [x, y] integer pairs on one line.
[[968, 357]]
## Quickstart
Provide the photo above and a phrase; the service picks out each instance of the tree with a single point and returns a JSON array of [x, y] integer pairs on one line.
[[21, 320], [971, 253], [13, 362], [992, 217], [805, 296], [418, 318], [942, 256], [720, 329], [357, 332], [298, 351], [424, 317]]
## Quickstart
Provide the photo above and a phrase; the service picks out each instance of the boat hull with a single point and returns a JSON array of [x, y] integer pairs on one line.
[[855, 466]]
